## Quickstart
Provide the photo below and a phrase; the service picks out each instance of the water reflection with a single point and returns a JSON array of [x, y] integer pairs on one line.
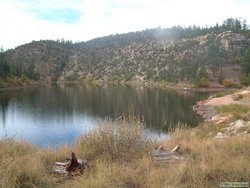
[[3, 110], [54, 114]]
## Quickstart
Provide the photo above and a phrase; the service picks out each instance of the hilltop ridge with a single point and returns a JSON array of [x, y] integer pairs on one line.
[[171, 55]]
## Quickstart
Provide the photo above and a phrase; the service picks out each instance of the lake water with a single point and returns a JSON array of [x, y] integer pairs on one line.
[[57, 114]]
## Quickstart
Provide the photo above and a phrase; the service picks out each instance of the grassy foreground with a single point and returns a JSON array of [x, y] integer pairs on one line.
[[120, 155]]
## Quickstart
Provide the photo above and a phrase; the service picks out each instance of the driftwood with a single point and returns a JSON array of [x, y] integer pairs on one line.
[[71, 167], [162, 155]]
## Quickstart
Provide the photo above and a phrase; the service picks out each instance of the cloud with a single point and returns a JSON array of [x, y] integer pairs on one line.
[[50, 10], [79, 20], [61, 15]]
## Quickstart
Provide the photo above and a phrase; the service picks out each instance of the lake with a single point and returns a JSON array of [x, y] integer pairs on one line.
[[51, 115]]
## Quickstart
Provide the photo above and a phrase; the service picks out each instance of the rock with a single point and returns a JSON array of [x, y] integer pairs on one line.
[[221, 119], [239, 124], [219, 134], [243, 133], [205, 111], [234, 129], [235, 126], [211, 97]]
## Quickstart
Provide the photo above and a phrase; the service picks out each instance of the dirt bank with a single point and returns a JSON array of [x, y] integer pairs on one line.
[[233, 119]]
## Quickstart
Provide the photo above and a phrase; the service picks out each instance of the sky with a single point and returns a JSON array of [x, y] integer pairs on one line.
[[22, 21]]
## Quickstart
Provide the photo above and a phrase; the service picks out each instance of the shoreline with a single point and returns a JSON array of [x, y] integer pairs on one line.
[[20, 87], [162, 85], [191, 90], [101, 83], [229, 113]]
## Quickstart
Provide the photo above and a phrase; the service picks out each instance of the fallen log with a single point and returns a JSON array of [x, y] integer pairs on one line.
[[72, 167], [162, 155]]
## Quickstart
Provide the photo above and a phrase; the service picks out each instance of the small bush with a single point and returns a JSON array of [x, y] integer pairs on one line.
[[238, 97], [203, 82], [24, 78], [245, 79], [72, 77], [121, 139], [221, 79], [229, 83]]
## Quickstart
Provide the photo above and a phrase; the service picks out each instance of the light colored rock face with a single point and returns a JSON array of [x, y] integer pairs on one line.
[[238, 124], [235, 128], [231, 40]]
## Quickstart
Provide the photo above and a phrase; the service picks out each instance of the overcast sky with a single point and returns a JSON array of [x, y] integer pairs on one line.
[[22, 21]]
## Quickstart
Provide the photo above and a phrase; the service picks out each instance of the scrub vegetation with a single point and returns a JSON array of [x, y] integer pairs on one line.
[[119, 154]]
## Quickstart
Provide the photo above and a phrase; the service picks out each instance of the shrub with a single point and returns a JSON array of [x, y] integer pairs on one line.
[[123, 138], [238, 97], [203, 82], [24, 78], [221, 79], [229, 83], [72, 77], [245, 79]]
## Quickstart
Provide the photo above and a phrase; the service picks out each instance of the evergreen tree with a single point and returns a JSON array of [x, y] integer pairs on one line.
[[4, 67], [245, 79]]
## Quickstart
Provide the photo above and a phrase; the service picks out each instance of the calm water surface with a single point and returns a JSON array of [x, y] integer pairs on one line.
[[56, 114]]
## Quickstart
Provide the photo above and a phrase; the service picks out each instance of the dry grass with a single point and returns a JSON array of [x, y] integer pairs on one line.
[[122, 140], [239, 111], [209, 161], [120, 156], [225, 92], [21, 166]]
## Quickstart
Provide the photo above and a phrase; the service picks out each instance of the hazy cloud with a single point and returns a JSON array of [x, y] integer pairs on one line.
[[25, 20]]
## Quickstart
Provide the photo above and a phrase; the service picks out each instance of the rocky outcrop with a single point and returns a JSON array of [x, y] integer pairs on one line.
[[239, 127], [230, 40], [207, 112]]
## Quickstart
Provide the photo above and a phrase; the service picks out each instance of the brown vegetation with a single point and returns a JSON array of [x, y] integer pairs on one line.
[[120, 155]]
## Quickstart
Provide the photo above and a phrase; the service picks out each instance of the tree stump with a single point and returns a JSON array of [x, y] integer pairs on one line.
[[72, 167]]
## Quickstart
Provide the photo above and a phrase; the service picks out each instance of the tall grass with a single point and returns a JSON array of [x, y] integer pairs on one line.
[[120, 155], [21, 166], [208, 161], [122, 139]]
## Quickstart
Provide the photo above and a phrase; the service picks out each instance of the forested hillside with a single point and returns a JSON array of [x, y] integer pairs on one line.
[[196, 55]]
